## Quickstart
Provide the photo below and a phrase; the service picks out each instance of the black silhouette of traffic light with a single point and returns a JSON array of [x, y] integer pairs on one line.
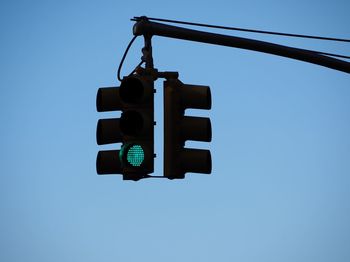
[[178, 128], [134, 129]]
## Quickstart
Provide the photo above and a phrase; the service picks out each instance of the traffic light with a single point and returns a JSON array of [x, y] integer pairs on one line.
[[179, 128], [134, 129]]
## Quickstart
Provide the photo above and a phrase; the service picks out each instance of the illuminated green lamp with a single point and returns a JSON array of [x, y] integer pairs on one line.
[[133, 154]]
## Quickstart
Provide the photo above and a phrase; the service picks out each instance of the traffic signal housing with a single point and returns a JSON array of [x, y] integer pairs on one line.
[[134, 129], [178, 128]]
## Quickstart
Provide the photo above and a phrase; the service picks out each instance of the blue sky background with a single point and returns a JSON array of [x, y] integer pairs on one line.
[[280, 185]]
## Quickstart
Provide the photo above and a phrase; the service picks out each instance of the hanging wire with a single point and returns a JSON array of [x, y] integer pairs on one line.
[[123, 58], [245, 30]]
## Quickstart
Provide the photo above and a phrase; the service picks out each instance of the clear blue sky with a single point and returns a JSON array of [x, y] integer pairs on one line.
[[280, 185]]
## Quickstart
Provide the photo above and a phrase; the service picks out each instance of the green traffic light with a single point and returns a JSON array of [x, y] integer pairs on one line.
[[133, 154]]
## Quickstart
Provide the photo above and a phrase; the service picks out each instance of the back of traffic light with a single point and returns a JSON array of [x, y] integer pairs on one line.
[[134, 129], [179, 128]]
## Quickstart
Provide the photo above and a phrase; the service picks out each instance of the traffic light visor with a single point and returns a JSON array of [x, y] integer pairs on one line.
[[107, 99], [107, 162]]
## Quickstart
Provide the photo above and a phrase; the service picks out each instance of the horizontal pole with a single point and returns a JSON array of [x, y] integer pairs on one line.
[[147, 28]]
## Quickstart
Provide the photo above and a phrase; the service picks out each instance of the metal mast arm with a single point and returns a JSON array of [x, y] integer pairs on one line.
[[147, 28]]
